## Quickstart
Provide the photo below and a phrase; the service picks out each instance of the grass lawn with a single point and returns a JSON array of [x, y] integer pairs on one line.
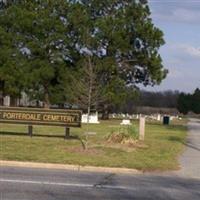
[[160, 150]]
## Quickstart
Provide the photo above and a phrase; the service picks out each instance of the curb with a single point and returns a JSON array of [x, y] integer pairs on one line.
[[69, 167]]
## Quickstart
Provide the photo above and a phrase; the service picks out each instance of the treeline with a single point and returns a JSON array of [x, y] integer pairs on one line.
[[85, 53], [189, 102], [150, 102], [164, 99], [169, 102]]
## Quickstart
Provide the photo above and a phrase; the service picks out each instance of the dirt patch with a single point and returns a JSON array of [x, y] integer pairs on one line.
[[121, 138], [124, 142]]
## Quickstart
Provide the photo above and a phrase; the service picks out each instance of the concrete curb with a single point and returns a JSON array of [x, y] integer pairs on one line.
[[70, 167]]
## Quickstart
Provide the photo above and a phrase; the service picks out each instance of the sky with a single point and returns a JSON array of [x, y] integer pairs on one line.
[[180, 22]]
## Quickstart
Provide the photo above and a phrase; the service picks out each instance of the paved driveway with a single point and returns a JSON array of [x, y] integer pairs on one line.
[[190, 160]]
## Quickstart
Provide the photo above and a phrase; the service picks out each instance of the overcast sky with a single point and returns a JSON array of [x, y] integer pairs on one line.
[[180, 22]]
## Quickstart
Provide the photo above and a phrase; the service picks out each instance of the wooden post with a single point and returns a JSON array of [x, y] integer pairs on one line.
[[67, 133], [142, 128], [30, 130]]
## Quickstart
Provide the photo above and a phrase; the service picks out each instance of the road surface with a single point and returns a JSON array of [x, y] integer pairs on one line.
[[43, 184], [38, 184], [190, 160]]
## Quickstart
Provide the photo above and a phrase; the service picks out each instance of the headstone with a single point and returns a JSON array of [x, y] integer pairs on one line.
[[93, 119], [126, 122], [113, 115], [6, 101], [84, 118], [158, 117], [171, 118], [123, 115]]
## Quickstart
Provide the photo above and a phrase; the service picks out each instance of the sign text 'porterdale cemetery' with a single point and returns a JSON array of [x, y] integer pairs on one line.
[[70, 118]]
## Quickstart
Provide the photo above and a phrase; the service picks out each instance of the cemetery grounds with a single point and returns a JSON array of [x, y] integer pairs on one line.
[[159, 151]]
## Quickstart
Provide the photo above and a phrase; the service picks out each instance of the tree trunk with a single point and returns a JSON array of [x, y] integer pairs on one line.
[[89, 102], [13, 101], [105, 113], [2, 93], [46, 100], [1, 99], [37, 103]]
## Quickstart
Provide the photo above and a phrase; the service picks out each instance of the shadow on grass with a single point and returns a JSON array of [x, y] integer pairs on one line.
[[35, 135], [174, 138], [187, 143], [74, 137], [175, 127]]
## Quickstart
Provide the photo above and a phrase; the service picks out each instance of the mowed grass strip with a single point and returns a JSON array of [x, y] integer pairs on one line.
[[160, 151]]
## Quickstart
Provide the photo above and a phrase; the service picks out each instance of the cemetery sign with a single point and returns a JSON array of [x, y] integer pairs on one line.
[[31, 116]]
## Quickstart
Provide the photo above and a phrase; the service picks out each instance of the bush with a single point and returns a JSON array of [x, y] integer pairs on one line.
[[133, 132], [125, 135]]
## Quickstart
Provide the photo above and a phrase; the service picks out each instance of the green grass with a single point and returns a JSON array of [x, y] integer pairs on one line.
[[160, 150]]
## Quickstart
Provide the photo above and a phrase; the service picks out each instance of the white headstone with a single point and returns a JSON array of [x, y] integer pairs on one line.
[[158, 117], [93, 119], [126, 122], [6, 101]]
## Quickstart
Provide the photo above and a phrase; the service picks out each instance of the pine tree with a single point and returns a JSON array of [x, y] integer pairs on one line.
[[40, 39]]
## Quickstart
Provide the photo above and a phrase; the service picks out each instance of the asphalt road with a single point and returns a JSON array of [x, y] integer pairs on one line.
[[40, 184], [43, 184]]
